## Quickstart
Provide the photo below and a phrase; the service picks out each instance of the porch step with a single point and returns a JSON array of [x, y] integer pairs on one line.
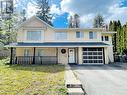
[[73, 84], [75, 91]]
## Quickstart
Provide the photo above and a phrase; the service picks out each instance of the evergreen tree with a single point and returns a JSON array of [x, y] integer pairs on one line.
[[126, 36], [125, 39], [8, 30], [113, 27], [44, 9], [9, 20], [110, 26], [120, 37], [121, 40], [118, 40], [23, 14], [98, 21], [74, 21], [70, 22]]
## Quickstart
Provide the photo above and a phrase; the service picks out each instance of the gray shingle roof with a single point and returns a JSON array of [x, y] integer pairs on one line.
[[57, 44]]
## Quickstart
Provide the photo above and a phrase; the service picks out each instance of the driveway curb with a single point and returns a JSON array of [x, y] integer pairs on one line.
[[74, 86]]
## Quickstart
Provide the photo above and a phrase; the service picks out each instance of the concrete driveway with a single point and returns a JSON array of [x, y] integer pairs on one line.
[[102, 79]]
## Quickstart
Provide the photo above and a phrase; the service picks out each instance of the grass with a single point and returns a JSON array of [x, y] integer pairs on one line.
[[31, 80]]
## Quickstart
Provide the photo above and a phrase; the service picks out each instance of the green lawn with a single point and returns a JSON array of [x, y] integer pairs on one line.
[[31, 80]]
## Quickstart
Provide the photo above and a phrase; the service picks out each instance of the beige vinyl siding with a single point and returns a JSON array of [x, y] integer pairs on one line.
[[46, 51], [49, 33], [20, 51], [62, 58], [49, 36]]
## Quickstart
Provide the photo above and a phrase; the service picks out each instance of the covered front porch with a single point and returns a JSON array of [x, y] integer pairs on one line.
[[34, 55], [44, 55], [51, 53]]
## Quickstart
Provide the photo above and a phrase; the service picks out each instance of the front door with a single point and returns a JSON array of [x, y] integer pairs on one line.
[[71, 55]]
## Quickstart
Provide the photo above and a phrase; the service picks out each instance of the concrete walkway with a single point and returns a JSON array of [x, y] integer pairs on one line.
[[73, 84], [103, 80], [70, 77]]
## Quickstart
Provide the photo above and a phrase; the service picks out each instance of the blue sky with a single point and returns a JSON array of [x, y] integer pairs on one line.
[[87, 10], [61, 21], [125, 3]]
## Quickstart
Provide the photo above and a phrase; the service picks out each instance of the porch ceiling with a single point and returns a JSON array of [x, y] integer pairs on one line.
[[59, 44]]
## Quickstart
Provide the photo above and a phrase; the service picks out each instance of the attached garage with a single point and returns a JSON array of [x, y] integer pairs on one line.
[[93, 56]]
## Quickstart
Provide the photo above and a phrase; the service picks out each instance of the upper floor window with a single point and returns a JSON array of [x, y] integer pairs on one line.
[[79, 34], [34, 35], [102, 38], [61, 35], [92, 35], [106, 38]]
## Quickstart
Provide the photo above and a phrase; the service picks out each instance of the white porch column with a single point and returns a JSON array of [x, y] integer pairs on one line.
[[80, 55], [109, 54], [106, 55]]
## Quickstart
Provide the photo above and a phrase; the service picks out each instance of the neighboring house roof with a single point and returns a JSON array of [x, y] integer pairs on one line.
[[58, 44]]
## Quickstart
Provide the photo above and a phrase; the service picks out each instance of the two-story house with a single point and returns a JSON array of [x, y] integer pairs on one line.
[[40, 43]]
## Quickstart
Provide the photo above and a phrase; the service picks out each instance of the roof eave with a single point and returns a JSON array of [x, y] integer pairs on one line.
[[109, 32], [56, 46]]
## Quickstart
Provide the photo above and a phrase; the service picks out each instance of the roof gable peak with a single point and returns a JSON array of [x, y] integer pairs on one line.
[[19, 26]]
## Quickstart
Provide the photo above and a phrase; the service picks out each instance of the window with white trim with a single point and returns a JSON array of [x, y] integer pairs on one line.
[[34, 35], [102, 38], [61, 35], [106, 38], [92, 35], [79, 34]]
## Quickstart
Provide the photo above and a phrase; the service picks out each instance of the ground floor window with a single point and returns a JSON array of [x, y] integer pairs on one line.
[[26, 52], [39, 52]]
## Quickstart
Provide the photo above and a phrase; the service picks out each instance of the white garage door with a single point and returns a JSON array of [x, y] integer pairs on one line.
[[93, 56]]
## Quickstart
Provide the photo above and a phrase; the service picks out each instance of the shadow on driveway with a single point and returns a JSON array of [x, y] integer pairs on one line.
[[100, 67]]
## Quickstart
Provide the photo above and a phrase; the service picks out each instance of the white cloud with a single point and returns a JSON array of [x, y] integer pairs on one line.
[[55, 10], [31, 10], [117, 13], [87, 6], [87, 9], [15, 1], [87, 20]]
